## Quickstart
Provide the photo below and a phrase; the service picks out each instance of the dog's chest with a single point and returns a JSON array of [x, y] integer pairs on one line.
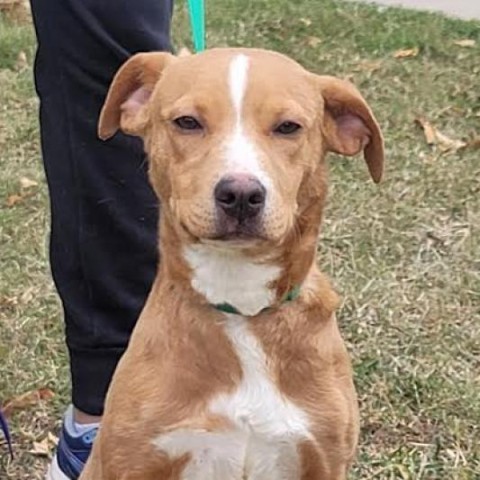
[[257, 405], [267, 427]]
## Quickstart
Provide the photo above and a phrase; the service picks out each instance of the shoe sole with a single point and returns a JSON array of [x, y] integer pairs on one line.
[[54, 472]]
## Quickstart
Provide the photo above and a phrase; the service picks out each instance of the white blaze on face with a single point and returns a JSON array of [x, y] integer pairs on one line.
[[242, 155], [237, 80]]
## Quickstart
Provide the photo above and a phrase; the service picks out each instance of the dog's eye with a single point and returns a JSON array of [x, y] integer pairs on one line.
[[287, 128], [188, 123]]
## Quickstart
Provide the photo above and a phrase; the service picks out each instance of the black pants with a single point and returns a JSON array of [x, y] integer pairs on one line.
[[104, 214]]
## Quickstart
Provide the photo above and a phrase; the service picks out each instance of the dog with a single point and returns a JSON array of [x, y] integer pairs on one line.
[[236, 368]]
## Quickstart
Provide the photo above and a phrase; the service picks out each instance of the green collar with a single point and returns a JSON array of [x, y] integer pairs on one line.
[[228, 308]]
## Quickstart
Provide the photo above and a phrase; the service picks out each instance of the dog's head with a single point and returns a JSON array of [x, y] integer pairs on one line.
[[236, 137]]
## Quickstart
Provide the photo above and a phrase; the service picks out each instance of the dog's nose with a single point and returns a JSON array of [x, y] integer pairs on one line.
[[240, 196]]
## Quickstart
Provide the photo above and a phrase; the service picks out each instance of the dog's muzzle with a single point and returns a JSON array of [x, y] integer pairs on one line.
[[239, 202]]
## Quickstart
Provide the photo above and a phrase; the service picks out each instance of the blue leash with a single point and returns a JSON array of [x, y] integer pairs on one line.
[[6, 433], [196, 9]]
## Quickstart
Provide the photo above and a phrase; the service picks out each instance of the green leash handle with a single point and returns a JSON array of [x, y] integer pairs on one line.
[[197, 22]]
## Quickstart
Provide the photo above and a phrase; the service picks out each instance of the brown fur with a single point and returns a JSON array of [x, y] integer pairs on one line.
[[179, 357]]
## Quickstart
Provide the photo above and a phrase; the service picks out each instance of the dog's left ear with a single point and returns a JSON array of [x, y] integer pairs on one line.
[[349, 125], [129, 93]]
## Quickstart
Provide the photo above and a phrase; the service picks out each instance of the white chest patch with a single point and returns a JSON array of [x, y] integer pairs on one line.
[[227, 276], [263, 445], [257, 405], [213, 456]]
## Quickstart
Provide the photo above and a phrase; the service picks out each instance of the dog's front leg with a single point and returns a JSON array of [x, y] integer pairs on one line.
[[319, 464], [93, 468]]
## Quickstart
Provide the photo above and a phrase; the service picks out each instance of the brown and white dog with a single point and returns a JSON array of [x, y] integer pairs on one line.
[[224, 379]]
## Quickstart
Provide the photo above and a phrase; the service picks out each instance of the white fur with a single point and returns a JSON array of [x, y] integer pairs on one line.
[[272, 460], [267, 427], [257, 405], [242, 157], [273, 423], [225, 275], [237, 81], [231, 455], [214, 455], [241, 154]]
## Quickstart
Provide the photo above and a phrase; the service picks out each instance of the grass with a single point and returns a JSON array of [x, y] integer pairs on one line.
[[405, 255]]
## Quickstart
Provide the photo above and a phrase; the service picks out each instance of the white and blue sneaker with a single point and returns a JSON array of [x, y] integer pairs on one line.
[[74, 447]]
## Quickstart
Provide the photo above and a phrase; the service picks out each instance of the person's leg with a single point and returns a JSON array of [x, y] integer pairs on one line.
[[104, 215]]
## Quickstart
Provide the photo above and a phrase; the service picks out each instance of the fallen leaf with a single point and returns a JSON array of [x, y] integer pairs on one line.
[[8, 301], [409, 52], [27, 183], [474, 143], [306, 21], [42, 448], [53, 439], [22, 62], [447, 144], [428, 130], [369, 66], [28, 294], [26, 400], [6, 5], [433, 136], [16, 10], [313, 41], [428, 158], [467, 42], [13, 199], [403, 471], [25, 192]]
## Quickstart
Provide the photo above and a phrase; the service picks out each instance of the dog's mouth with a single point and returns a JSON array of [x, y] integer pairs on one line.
[[240, 243], [237, 238], [240, 235], [238, 231]]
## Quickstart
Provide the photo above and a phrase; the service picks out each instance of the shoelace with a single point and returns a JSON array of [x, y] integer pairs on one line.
[[6, 433]]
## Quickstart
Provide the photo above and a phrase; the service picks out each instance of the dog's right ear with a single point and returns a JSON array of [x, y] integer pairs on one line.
[[129, 92]]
